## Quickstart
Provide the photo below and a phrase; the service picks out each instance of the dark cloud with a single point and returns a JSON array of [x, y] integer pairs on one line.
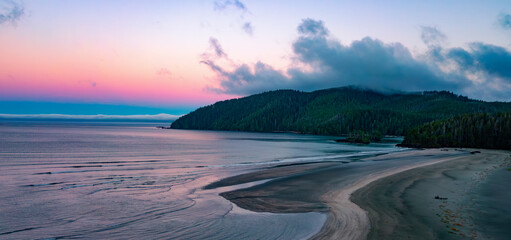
[[486, 58], [493, 59], [431, 36], [458, 55], [368, 62], [224, 4], [10, 11], [322, 62], [247, 27], [311, 27], [505, 21]]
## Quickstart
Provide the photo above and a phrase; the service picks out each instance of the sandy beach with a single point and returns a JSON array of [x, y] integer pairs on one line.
[[403, 205], [330, 187]]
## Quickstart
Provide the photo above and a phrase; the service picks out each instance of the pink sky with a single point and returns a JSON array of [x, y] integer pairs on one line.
[[135, 53]]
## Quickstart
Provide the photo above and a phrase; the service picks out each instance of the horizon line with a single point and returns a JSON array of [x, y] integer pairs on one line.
[[159, 117]]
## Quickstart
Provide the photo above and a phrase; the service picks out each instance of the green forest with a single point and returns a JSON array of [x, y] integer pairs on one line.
[[479, 130], [338, 111]]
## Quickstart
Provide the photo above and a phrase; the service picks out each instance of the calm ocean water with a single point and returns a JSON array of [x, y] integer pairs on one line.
[[67, 180]]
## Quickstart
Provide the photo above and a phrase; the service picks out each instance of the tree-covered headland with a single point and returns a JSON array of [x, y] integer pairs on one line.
[[479, 130], [340, 111]]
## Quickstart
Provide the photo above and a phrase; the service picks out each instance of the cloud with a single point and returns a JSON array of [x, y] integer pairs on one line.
[[247, 27], [237, 5], [487, 67], [505, 21], [431, 36], [157, 117], [164, 73], [224, 4], [11, 11], [247, 79], [311, 27], [215, 48], [480, 71], [491, 59], [367, 62], [484, 66]]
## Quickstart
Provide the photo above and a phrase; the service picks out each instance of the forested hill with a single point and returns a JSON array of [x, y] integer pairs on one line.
[[333, 111], [478, 130]]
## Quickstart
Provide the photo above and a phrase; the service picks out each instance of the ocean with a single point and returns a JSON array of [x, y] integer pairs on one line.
[[119, 180]]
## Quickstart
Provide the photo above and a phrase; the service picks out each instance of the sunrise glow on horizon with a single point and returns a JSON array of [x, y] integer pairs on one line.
[[180, 55]]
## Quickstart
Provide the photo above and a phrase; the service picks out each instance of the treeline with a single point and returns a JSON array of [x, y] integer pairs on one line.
[[480, 130], [338, 111]]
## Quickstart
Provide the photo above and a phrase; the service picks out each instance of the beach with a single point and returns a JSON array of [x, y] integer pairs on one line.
[[379, 197], [439, 201], [97, 181]]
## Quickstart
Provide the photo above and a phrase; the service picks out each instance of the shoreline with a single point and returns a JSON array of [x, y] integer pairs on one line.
[[348, 220], [403, 205], [328, 187]]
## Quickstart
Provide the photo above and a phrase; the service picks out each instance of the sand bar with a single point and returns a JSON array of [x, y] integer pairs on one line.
[[327, 187]]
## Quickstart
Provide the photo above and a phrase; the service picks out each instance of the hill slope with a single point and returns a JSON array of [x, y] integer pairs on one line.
[[333, 111], [478, 130]]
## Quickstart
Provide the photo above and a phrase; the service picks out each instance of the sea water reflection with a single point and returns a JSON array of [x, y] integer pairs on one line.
[[131, 180]]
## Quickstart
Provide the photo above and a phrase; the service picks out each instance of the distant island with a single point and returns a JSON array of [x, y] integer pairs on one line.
[[361, 137], [351, 111]]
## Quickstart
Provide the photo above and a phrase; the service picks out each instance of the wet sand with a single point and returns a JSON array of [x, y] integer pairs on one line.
[[328, 187], [403, 205]]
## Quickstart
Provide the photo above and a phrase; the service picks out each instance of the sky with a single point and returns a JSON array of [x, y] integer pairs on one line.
[[87, 57]]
